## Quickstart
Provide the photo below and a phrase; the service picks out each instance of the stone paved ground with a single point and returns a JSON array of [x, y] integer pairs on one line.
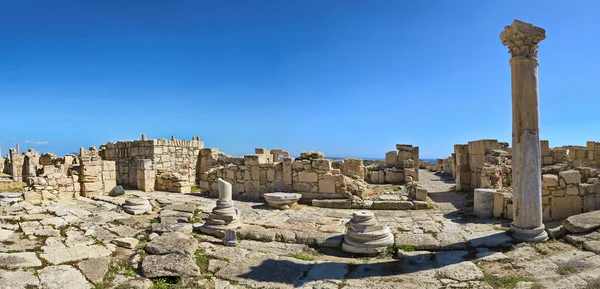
[[87, 243]]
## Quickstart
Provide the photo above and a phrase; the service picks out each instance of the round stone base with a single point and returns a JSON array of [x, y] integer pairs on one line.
[[534, 235]]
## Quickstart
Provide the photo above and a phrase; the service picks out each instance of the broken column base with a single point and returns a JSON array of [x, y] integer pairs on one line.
[[534, 235]]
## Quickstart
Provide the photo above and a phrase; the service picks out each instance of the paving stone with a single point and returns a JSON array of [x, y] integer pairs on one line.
[[128, 242], [464, 271], [160, 228], [272, 247], [418, 241], [172, 243], [18, 279], [57, 222], [61, 277], [58, 256], [176, 265], [5, 234], [94, 269], [583, 222], [123, 231], [189, 208], [487, 239], [19, 260]]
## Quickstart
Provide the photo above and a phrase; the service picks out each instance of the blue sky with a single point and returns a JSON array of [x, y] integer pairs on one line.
[[350, 78]]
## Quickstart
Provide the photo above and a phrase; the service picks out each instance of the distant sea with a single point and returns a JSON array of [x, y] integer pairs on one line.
[[338, 159]]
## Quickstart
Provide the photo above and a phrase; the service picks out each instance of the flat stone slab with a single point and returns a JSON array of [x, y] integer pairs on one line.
[[593, 246], [161, 228], [18, 279], [127, 242], [58, 256], [175, 265], [464, 271], [19, 260], [418, 241], [583, 222], [62, 277], [172, 243], [188, 208], [94, 269], [487, 239]]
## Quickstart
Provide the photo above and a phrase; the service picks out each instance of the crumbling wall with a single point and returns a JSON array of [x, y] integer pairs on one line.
[[574, 156], [310, 174], [97, 176], [564, 194], [399, 165], [167, 156], [480, 164]]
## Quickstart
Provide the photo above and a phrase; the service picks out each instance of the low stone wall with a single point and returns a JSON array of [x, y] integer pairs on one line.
[[399, 165], [173, 182], [564, 194], [309, 176]]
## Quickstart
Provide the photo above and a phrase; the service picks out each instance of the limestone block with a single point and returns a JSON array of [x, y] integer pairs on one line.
[[549, 180], [394, 177], [391, 158], [569, 177], [421, 194], [498, 210], [321, 164], [476, 161], [484, 203], [381, 177], [572, 190], [109, 185], [301, 187], [255, 172], [589, 203], [327, 185], [564, 207], [547, 160], [308, 177]]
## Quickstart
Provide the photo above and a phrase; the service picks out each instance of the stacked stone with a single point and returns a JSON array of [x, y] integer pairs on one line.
[[173, 182], [310, 175], [177, 156], [137, 206], [364, 235], [546, 153], [146, 176], [353, 168], [225, 215], [91, 173]]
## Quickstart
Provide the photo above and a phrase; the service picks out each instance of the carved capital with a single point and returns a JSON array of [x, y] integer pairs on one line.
[[522, 39]]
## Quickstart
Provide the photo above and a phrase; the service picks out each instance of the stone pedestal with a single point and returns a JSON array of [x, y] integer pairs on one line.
[[282, 200], [522, 40], [224, 216], [137, 206], [364, 235]]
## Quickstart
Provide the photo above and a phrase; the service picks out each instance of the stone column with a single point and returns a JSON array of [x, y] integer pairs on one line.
[[522, 40]]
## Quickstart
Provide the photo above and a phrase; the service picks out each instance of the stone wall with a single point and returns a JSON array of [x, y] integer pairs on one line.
[[574, 156], [480, 164], [97, 176], [565, 194], [50, 177], [399, 165], [310, 175], [173, 156]]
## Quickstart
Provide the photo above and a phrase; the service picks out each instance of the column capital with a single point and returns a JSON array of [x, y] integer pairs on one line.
[[522, 39]]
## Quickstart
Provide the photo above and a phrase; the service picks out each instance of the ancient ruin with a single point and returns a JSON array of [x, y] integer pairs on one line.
[[172, 213]]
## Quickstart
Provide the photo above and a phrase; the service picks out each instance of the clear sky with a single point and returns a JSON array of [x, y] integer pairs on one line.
[[350, 78]]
